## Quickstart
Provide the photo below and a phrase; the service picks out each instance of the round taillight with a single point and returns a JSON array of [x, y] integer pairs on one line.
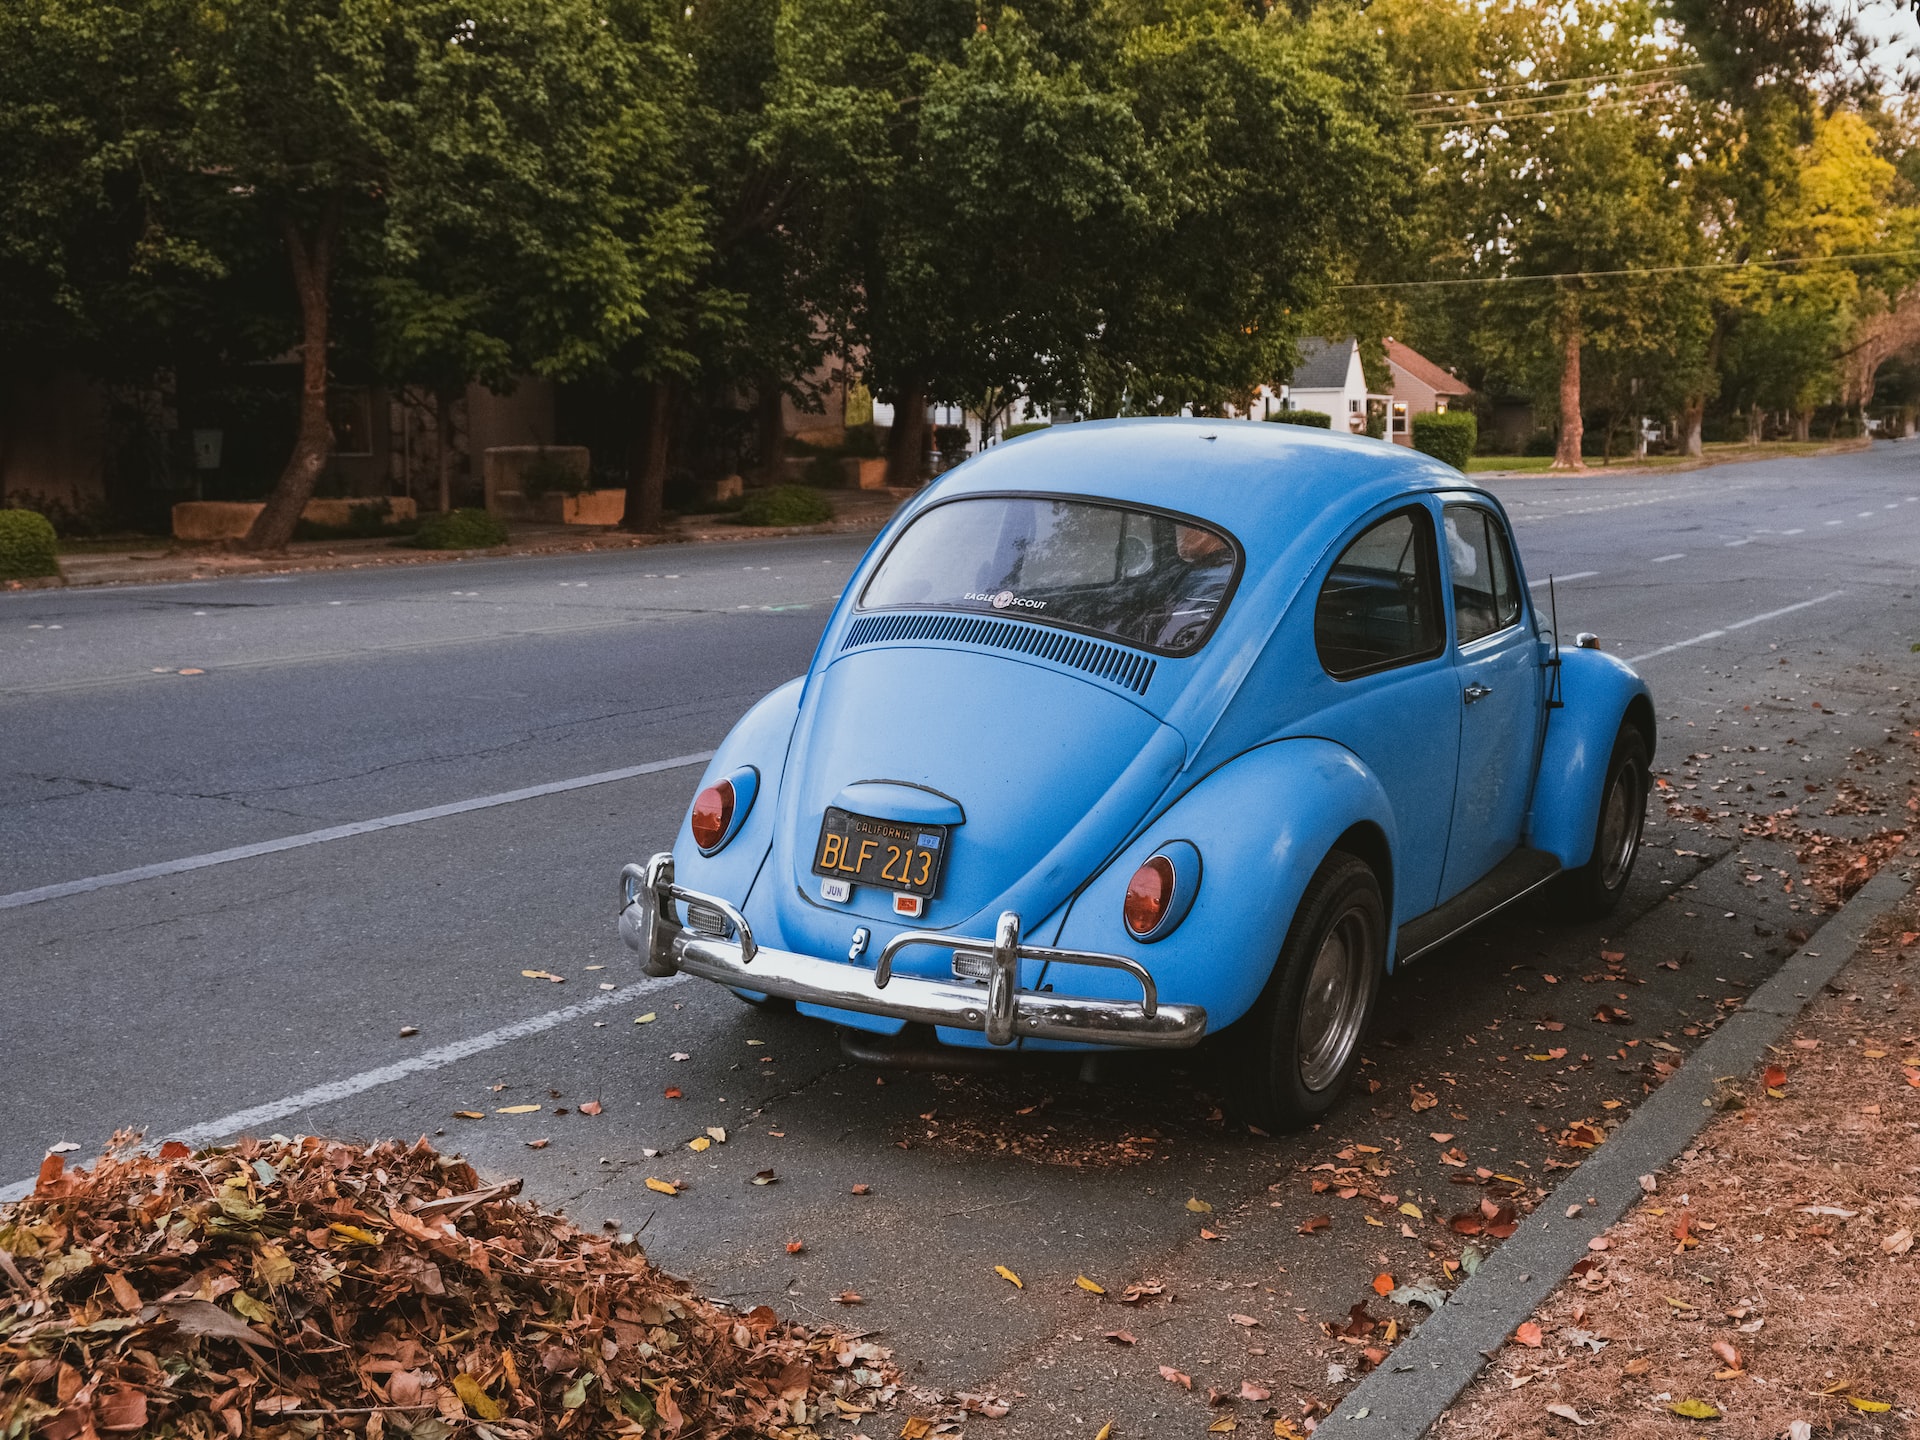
[[1148, 895], [712, 813]]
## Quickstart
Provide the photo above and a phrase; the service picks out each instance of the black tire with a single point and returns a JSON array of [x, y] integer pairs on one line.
[[1596, 887], [1300, 1044]]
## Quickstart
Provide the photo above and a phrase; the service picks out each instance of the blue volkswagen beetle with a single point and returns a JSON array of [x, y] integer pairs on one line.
[[1125, 733]]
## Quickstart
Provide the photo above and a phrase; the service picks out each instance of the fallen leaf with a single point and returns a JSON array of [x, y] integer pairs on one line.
[[1695, 1410], [646, 1019], [121, 1408], [1638, 1367], [1256, 1393], [1246, 1320], [1439, 1137], [862, 1190], [516, 1109], [1206, 1234], [715, 1133], [544, 975], [699, 1143], [1105, 1432], [916, 1428], [1199, 1207], [1899, 1242], [794, 1247], [1423, 1099], [1167, 1372], [1315, 1222], [1005, 1274], [1411, 1210], [1725, 1350], [1774, 1078], [1529, 1335], [1567, 1412], [1872, 1407], [592, 1107], [672, 1092], [1612, 1015], [1225, 1425], [849, 1297], [679, 1055], [1383, 1284], [469, 1115], [1120, 1337], [538, 1144], [661, 1187], [1089, 1286]]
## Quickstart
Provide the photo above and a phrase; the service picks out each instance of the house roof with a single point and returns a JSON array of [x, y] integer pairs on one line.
[[1324, 364], [1440, 381]]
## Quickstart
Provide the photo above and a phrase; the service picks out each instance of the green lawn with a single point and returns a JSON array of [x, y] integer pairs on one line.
[[1716, 450], [1508, 462]]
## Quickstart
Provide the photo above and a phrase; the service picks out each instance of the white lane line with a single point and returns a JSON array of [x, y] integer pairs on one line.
[[1663, 559], [1737, 625], [1563, 579], [341, 832], [1797, 530], [1836, 522], [334, 1091], [1864, 515], [1734, 544]]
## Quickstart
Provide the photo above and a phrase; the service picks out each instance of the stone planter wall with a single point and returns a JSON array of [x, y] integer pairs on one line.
[[502, 466], [591, 507], [207, 520]]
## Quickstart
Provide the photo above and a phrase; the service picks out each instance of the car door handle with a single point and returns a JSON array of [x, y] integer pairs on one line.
[[1477, 691]]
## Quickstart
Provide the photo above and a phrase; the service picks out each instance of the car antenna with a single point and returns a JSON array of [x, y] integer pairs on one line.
[[1554, 702]]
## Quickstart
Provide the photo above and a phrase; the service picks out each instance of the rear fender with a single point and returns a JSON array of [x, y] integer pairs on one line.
[[1600, 694], [1262, 823], [759, 740]]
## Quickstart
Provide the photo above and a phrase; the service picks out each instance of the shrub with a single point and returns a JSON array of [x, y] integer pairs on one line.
[[460, 530], [1541, 442], [1026, 428], [550, 475], [863, 442], [825, 471], [27, 549], [784, 505], [952, 442], [1302, 417], [1447, 435]]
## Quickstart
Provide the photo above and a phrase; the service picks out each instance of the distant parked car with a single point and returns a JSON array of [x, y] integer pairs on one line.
[[1128, 732]]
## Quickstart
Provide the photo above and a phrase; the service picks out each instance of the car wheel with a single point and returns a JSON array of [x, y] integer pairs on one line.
[[1301, 1042], [1597, 886]]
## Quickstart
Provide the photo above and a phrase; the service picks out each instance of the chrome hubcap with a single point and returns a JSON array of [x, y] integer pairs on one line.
[[1620, 819], [1338, 994]]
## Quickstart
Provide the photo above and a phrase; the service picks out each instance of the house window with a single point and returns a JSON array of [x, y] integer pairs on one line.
[[1440, 405], [1399, 417], [350, 413], [1353, 407]]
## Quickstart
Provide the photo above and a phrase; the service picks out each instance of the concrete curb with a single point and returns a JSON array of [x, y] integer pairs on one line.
[[1403, 1398]]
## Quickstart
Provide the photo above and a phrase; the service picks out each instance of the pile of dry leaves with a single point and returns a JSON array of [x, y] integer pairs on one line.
[[281, 1287]]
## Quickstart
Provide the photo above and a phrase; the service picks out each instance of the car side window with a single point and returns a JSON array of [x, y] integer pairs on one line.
[[1486, 596], [1380, 606]]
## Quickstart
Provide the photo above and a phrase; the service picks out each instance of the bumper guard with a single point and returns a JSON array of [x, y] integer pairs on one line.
[[649, 924]]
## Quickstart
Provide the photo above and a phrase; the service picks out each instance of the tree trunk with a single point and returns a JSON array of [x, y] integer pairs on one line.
[[1693, 416], [443, 435], [312, 275], [1566, 455], [907, 442], [1756, 425], [647, 462], [770, 430], [1803, 425]]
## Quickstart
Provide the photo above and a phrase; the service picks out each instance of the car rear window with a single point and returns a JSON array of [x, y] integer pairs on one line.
[[1142, 577]]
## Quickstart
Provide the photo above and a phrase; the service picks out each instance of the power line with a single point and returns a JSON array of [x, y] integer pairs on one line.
[[1447, 113], [1471, 92], [1649, 270], [1594, 107]]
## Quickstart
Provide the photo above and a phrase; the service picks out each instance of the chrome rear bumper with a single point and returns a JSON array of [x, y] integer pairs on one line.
[[649, 923]]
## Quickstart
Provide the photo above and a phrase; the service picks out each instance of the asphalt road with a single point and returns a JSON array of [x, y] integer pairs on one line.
[[155, 725]]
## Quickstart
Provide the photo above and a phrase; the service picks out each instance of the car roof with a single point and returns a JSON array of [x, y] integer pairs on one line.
[[1268, 484]]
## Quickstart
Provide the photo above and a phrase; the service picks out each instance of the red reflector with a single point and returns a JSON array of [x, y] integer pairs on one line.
[[1148, 894], [712, 813]]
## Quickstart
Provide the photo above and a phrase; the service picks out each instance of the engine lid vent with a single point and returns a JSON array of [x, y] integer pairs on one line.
[[1115, 664]]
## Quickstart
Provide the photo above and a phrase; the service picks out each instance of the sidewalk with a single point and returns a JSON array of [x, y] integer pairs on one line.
[[1765, 1280], [160, 560]]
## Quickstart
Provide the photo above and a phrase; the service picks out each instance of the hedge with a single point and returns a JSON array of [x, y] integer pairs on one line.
[[1447, 435], [784, 505], [27, 549], [460, 530], [1303, 417]]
